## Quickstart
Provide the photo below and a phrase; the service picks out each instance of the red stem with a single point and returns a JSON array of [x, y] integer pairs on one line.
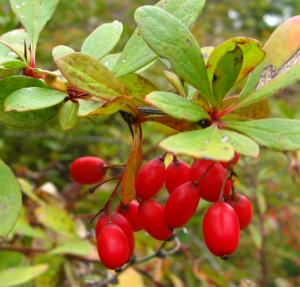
[[226, 111]]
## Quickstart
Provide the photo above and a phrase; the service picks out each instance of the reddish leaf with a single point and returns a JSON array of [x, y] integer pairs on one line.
[[132, 167]]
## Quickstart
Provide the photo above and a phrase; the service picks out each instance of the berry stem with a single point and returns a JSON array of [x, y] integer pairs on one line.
[[112, 196], [205, 173], [234, 194], [114, 165], [227, 176], [94, 188]]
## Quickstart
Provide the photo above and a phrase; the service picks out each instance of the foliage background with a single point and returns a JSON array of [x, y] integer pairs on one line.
[[269, 250]]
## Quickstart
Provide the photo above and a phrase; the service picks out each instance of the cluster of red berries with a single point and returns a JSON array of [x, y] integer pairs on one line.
[[205, 179]]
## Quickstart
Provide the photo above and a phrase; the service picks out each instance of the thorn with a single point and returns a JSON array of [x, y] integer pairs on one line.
[[130, 120]]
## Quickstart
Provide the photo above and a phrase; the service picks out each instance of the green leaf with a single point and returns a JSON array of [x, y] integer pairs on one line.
[[206, 52], [252, 55], [57, 220], [52, 277], [10, 199], [60, 51], [226, 73], [277, 134], [256, 237], [261, 201], [137, 54], [90, 76], [78, 247], [16, 38], [5, 72], [68, 115], [20, 275], [229, 73], [12, 50], [176, 106], [110, 61], [102, 40], [28, 189], [204, 143], [12, 63], [34, 15], [280, 48], [27, 120], [110, 107], [11, 259], [175, 82], [283, 80], [211, 143], [137, 86], [34, 98], [171, 40], [23, 228], [241, 144], [87, 107]]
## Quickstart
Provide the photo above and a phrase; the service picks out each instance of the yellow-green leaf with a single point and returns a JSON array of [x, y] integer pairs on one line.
[[90, 76]]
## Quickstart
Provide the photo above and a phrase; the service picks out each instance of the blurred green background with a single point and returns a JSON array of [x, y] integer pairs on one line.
[[269, 253]]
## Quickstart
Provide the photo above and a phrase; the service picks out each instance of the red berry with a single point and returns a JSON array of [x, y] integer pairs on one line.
[[150, 178], [152, 216], [177, 173], [233, 162], [131, 212], [221, 230], [88, 170], [182, 204], [211, 175], [117, 219], [113, 247], [243, 209]]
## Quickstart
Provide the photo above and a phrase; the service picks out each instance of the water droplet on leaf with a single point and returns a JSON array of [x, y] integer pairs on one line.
[[225, 139]]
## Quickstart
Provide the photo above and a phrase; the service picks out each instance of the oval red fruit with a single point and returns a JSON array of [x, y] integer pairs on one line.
[[131, 212], [221, 230], [87, 170], [232, 162], [150, 178], [243, 209], [117, 219], [113, 247], [182, 204], [177, 173], [211, 175], [152, 216]]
